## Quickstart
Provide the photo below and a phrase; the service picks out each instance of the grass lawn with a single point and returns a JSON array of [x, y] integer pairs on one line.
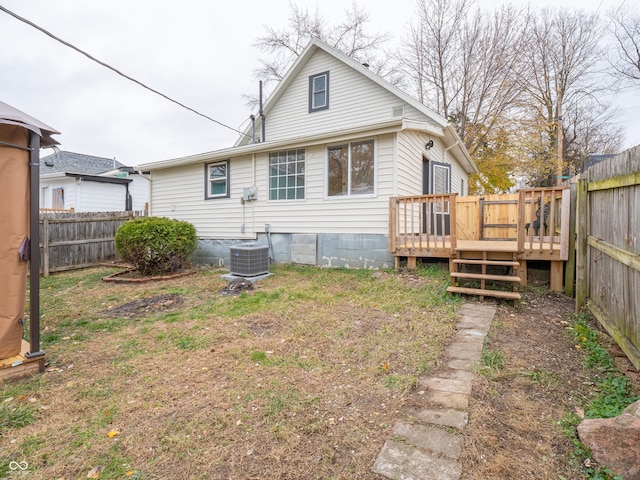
[[300, 378]]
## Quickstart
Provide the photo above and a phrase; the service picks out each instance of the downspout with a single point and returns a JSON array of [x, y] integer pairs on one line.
[[262, 115], [446, 150], [127, 204]]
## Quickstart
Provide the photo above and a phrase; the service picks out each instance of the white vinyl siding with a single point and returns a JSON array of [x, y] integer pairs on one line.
[[67, 184], [411, 150], [318, 214], [100, 197], [179, 193], [357, 103], [88, 196], [354, 100], [139, 191]]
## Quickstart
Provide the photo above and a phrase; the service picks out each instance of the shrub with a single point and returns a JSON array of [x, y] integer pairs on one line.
[[156, 245]]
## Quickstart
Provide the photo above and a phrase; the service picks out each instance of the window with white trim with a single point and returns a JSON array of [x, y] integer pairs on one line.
[[319, 92], [217, 180], [351, 169], [287, 175]]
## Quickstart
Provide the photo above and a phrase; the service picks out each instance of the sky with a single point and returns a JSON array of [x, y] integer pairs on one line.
[[200, 53]]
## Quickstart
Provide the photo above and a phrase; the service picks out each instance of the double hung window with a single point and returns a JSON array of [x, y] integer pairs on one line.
[[319, 92], [217, 180]]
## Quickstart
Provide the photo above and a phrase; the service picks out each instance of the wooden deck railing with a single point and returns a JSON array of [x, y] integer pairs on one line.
[[422, 223], [428, 225], [543, 220]]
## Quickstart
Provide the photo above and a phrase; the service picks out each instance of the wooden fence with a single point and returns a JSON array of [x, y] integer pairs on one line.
[[608, 248], [78, 240]]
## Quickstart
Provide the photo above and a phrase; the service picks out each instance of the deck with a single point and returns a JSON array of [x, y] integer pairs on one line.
[[21, 365], [532, 224]]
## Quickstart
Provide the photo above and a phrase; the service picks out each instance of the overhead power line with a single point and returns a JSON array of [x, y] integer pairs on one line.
[[67, 44]]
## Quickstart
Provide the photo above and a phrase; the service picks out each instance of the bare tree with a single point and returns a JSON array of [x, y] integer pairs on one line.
[[625, 55], [465, 64], [431, 51], [349, 36], [561, 60]]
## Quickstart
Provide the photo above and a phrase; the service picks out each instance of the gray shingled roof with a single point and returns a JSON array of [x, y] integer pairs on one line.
[[70, 162]]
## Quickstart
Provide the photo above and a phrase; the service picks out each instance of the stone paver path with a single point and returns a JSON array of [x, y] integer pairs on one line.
[[429, 447]]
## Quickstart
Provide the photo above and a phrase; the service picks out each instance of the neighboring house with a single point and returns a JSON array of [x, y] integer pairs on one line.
[[314, 175], [86, 183]]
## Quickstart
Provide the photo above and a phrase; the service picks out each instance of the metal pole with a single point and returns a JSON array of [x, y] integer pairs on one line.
[[34, 262]]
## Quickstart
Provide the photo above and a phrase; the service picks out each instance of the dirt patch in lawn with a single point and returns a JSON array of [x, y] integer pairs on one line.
[[145, 306], [237, 286], [514, 429]]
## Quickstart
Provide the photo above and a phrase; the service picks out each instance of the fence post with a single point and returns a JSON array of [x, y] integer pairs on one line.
[[393, 219], [582, 230], [521, 212], [45, 246], [570, 273], [453, 226]]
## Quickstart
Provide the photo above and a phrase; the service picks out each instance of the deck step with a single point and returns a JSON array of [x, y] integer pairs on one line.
[[485, 293], [486, 276], [497, 263]]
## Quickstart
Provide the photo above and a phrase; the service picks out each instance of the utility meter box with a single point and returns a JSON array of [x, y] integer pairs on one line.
[[249, 193]]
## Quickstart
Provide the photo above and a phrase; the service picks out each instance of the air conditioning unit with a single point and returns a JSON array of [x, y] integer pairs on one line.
[[249, 259]]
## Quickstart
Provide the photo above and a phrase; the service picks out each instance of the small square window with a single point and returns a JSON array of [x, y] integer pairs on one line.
[[319, 92], [217, 180]]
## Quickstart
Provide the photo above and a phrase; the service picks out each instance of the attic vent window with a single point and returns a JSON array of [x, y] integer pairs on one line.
[[398, 111], [319, 92]]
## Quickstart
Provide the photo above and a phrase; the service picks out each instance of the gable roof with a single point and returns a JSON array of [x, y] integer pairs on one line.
[[70, 162], [315, 45], [435, 124]]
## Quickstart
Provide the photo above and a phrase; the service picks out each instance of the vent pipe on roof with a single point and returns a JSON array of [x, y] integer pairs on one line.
[[262, 114], [253, 128]]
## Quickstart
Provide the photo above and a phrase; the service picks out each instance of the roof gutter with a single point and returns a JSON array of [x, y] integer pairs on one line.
[[379, 128], [98, 179], [408, 124]]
